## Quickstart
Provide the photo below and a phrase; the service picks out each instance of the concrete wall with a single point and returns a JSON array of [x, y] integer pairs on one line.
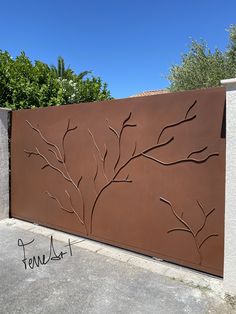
[[230, 201], [4, 163]]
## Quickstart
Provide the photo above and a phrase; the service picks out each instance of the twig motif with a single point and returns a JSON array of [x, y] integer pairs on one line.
[[59, 203], [186, 119], [197, 161], [57, 153], [68, 129], [197, 151], [60, 157], [96, 146], [47, 162], [134, 151], [125, 124], [96, 173], [144, 154], [188, 227], [102, 157], [71, 211]]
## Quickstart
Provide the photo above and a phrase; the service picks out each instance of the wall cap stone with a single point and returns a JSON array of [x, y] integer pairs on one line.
[[5, 109], [228, 81]]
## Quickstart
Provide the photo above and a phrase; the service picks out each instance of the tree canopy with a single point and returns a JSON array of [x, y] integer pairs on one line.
[[24, 84], [201, 68]]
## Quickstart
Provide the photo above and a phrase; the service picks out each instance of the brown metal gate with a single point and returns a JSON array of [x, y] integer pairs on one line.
[[142, 173]]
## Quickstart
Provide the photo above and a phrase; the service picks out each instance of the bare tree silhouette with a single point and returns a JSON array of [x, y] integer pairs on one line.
[[188, 228], [61, 168], [145, 153], [59, 165]]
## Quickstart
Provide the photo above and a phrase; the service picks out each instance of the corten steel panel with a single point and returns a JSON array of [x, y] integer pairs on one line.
[[143, 173]]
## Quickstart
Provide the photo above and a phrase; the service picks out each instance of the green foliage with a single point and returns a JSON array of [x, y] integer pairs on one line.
[[27, 85], [201, 68]]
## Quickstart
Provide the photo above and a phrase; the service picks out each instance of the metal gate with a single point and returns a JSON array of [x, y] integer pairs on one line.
[[145, 173]]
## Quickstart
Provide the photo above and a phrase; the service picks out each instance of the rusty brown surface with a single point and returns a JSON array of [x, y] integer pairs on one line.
[[142, 173]]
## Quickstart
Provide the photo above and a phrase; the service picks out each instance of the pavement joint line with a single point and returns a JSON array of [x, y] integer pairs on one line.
[[175, 272]]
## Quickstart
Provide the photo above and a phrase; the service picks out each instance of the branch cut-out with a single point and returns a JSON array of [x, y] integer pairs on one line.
[[186, 119], [145, 153], [102, 158], [188, 228], [60, 157]]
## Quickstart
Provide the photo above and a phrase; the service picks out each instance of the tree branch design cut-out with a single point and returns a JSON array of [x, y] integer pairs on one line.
[[59, 166], [188, 228], [144, 153], [101, 157]]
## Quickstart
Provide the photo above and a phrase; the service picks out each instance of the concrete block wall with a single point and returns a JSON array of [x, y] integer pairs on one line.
[[4, 162]]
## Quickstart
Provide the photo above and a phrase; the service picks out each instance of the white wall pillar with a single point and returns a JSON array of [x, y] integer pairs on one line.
[[230, 193], [4, 163]]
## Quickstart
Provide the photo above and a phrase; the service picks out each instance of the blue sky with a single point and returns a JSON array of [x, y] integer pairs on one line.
[[130, 44]]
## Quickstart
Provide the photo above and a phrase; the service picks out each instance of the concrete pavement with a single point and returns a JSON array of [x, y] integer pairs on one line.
[[58, 275]]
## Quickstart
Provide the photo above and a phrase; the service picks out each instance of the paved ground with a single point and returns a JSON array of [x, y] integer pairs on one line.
[[82, 281]]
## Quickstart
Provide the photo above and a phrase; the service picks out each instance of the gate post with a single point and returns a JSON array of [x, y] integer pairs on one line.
[[230, 189], [4, 162]]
